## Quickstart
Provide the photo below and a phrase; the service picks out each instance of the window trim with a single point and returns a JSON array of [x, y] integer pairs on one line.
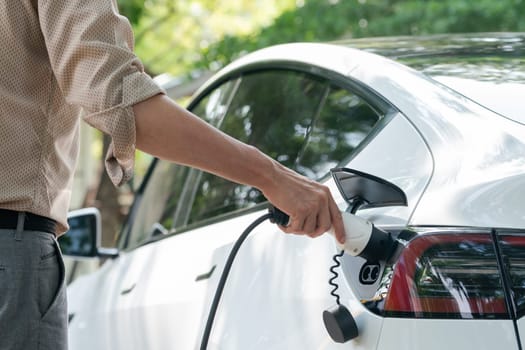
[[125, 231], [370, 96]]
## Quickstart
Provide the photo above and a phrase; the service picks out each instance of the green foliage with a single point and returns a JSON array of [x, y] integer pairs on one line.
[[170, 34], [183, 36], [324, 20], [132, 9]]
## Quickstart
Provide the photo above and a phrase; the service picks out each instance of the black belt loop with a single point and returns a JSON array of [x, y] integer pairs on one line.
[[20, 225]]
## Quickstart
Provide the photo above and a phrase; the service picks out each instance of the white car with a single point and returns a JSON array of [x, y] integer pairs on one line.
[[434, 155]]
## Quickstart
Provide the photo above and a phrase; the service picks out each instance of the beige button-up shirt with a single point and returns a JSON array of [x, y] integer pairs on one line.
[[58, 59]]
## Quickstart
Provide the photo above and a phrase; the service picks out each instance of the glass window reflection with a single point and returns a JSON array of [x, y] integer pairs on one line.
[[159, 201], [157, 212], [272, 110], [343, 122]]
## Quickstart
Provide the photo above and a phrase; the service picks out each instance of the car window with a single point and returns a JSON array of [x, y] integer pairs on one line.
[[343, 122], [155, 213], [213, 106], [164, 198], [272, 110], [295, 118]]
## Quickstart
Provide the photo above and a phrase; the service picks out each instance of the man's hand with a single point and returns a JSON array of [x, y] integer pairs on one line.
[[310, 205]]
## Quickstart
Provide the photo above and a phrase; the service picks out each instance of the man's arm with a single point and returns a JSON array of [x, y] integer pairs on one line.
[[90, 51], [170, 132]]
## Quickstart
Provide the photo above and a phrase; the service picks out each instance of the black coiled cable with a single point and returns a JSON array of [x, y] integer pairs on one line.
[[336, 258]]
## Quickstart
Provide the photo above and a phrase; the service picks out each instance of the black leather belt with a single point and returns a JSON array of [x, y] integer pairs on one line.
[[33, 222]]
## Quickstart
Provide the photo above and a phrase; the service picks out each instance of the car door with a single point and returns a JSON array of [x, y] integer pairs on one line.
[[149, 296]]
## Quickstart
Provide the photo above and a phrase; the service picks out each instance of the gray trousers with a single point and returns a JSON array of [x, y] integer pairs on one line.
[[33, 307]]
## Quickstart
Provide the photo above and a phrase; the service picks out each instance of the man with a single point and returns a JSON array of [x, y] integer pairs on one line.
[[61, 57]]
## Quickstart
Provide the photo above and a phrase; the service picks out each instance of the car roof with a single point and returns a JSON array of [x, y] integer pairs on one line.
[[444, 54], [488, 68]]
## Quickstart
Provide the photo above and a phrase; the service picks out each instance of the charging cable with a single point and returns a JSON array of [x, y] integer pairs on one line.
[[276, 216]]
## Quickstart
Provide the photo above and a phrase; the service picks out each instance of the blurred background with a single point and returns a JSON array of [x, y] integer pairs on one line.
[[182, 43]]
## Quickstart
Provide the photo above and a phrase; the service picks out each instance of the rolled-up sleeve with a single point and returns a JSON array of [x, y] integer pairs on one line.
[[90, 47]]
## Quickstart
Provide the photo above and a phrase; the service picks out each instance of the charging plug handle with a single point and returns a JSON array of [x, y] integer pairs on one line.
[[278, 216]]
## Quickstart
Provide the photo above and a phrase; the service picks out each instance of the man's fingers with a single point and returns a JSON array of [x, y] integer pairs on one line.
[[314, 215], [337, 223], [324, 221], [310, 224], [295, 225]]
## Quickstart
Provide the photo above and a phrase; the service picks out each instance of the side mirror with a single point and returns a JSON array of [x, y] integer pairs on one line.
[[83, 238]]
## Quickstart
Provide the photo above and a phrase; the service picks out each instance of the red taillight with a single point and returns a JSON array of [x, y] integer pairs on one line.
[[447, 276]]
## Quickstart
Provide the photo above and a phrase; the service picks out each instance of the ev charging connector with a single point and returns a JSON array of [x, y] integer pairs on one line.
[[365, 240]]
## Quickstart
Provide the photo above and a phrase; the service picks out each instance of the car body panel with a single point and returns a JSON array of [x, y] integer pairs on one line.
[[504, 98], [147, 295], [521, 327], [409, 334], [171, 308], [482, 142], [411, 168], [278, 293]]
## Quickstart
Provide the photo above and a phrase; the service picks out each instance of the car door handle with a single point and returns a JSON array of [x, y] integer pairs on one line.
[[206, 275], [128, 290]]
